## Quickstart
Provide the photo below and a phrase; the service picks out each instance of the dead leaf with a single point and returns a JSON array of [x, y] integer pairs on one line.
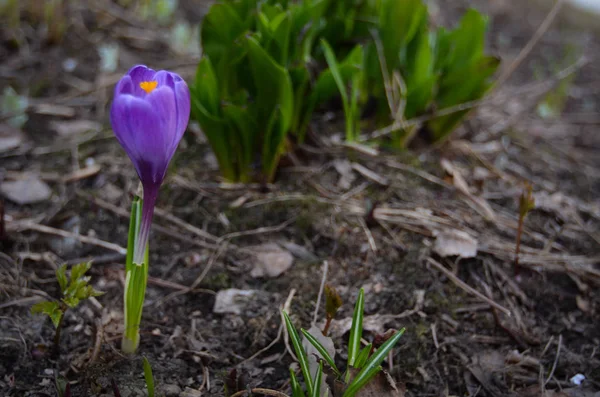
[[232, 300], [313, 354], [455, 243], [374, 323], [26, 191], [347, 176], [481, 205], [271, 260], [75, 127], [10, 138]]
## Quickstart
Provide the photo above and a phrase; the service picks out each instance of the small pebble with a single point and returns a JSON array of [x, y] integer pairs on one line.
[[171, 390]]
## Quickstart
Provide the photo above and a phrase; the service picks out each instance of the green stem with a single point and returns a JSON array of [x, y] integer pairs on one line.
[[136, 274], [56, 346]]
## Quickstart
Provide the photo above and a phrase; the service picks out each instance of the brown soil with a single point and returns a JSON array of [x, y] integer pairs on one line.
[[378, 235]]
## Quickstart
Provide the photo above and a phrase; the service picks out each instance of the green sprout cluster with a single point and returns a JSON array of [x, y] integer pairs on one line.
[[363, 363], [269, 64]]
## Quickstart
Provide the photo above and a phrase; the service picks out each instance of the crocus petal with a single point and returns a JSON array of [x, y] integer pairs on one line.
[[137, 128], [138, 75], [164, 78], [163, 104], [124, 86], [141, 73], [182, 98]]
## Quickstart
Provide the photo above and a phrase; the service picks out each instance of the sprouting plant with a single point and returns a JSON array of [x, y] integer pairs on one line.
[[149, 115], [149, 377], [63, 387], [14, 107], [362, 365], [73, 290], [526, 204], [333, 302]]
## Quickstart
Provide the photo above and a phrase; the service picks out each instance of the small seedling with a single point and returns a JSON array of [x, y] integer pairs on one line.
[[73, 290], [362, 366], [333, 302], [149, 378], [526, 204]]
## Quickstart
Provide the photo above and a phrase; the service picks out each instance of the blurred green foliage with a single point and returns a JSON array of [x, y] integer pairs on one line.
[[268, 64]]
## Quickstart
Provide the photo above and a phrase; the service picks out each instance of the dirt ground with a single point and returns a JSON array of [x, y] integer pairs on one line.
[[381, 221]]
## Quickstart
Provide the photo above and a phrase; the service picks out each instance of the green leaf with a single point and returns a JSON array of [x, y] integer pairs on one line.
[[77, 271], [372, 367], [468, 40], [275, 103], [321, 349], [217, 133], [61, 277], [398, 22], [244, 130], [51, 309], [463, 85], [206, 86], [363, 356], [350, 104], [300, 353], [148, 376], [221, 26], [296, 388], [273, 84], [356, 329], [318, 380]]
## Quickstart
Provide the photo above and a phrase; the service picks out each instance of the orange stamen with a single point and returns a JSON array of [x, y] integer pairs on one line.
[[148, 86]]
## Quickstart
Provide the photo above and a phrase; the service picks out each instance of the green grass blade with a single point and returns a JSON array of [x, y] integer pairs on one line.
[[296, 389], [321, 349], [372, 367], [356, 329], [363, 356], [318, 379], [149, 377], [300, 353]]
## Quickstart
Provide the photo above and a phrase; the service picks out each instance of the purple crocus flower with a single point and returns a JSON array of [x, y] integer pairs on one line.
[[149, 115]]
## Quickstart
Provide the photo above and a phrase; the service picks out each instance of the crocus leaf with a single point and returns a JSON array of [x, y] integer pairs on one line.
[[316, 392], [296, 388], [356, 329], [300, 353], [363, 356], [372, 367], [321, 349]]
